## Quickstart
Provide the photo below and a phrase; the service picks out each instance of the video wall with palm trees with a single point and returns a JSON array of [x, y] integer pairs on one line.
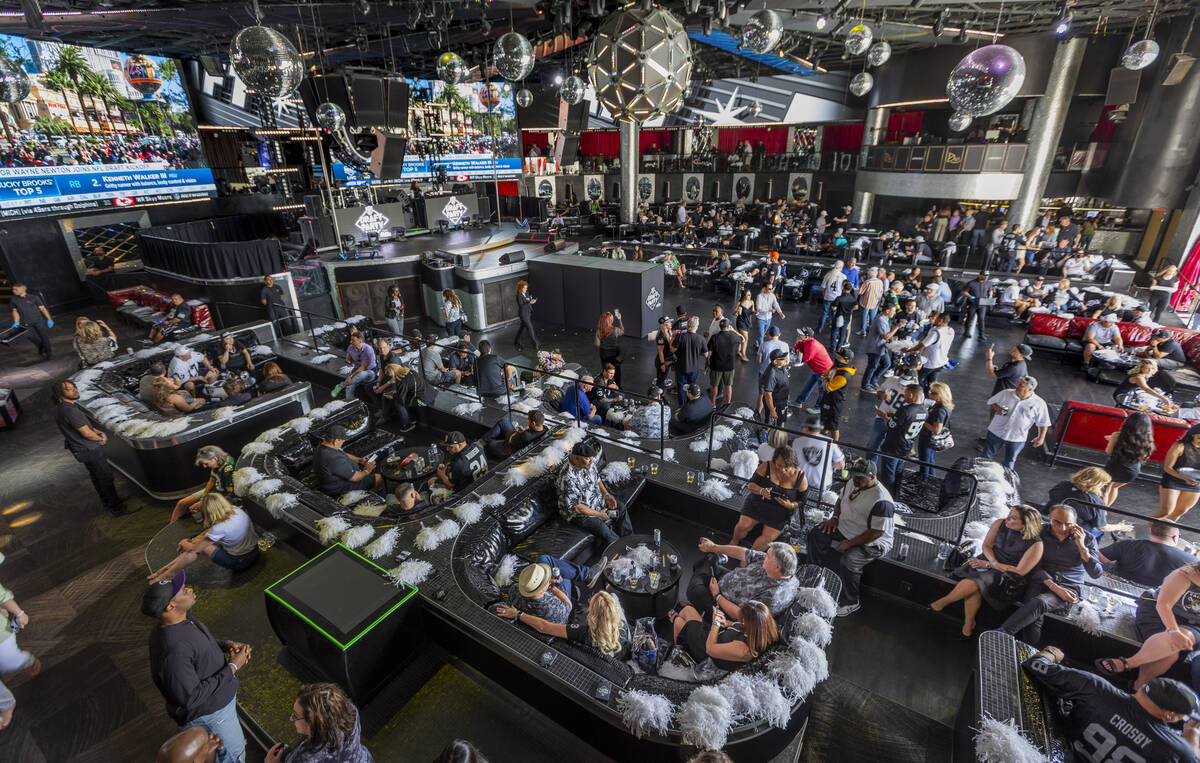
[[87, 111]]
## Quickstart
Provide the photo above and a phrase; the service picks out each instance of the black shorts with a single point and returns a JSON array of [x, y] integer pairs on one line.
[[831, 413], [1122, 473], [769, 513]]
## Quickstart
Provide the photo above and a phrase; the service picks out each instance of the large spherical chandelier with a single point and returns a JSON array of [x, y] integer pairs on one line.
[[640, 63], [266, 61], [985, 80], [514, 56]]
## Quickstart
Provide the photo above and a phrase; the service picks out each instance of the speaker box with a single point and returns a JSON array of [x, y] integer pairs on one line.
[[397, 104], [391, 157], [367, 91], [570, 148], [318, 89], [212, 66], [508, 258], [1122, 86]]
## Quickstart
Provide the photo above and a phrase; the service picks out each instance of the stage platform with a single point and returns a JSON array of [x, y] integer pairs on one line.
[[483, 245]]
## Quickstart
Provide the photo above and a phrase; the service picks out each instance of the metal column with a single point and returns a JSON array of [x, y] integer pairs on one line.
[[873, 134], [1047, 129], [629, 171]]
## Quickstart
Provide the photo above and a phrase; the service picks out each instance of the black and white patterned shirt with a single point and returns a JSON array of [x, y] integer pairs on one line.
[[579, 486], [751, 583], [547, 606]]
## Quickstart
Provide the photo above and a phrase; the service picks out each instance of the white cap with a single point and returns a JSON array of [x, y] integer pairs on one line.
[[1109, 317]]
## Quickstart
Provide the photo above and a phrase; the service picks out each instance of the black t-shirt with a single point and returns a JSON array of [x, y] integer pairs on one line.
[[844, 305], [334, 470], [690, 348], [183, 312], [489, 375], [665, 344], [937, 414], [1144, 561], [1103, 722], [578, 632], [272, 294], [100, 262], [70, 418], [1173, 351], [724, 347], [903, 428], [524, 437], [695, 413], [1068, 233], [27, 308], [774, 380], [467, 465], [1008, 375]]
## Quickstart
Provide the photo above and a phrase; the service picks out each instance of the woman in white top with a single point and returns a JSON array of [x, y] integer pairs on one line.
[[228, 538], [452, 312]]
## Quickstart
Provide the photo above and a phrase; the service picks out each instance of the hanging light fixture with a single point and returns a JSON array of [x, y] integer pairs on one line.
[[1144, 52], [1062, 24], [822, 21]]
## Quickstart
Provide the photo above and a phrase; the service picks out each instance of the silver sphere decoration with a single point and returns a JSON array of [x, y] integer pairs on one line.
[[858, 39], [524, 98], [862, 83], [266, 62], [1140, 55], [879, 53], [640, 63], [762, 32], [452, 69], [572, 90], [755, 108], [959, 122], [14, 82], [514, 56], [331, 117], [985, 80]]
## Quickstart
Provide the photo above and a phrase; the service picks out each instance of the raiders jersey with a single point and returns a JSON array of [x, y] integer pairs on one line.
[[1103, 723], [892, 390]]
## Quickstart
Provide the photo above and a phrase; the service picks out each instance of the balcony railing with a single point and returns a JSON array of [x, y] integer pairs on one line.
[[970, 158]]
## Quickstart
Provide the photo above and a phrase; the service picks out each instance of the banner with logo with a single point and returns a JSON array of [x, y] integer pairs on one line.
[[743, 187], [593, 187], [546, 187], [693, 188], [799, 185], [646, 190]]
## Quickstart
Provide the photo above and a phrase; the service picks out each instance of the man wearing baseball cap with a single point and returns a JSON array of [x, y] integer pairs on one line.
[[858, 533], [1012, 372], [773, 389], [694, 414], [195, 672], [585, 501], [337, 471], [1103, 333], [1127, 726], [465, 463]]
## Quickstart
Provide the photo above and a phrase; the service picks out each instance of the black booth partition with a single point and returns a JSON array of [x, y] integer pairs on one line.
[[227, 247]]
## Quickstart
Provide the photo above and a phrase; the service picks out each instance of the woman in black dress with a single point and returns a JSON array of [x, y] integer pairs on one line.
[[1012, 547], [1162, 286], [743, 321], [525, 310], [1146, 376], [608, 330], [730, 646], [1128, 448], [775, 491], [1178, 491]]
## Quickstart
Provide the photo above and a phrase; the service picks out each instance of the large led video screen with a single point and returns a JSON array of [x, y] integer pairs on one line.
[[100, 129], [475, 135]]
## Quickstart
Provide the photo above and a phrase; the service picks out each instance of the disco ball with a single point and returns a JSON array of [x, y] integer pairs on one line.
[[451, 69], [858, 39], [862, 83], [514, 56], [572, 90], [14, 82], [879, 53], [755, 108], [762, 32], [960, 122], [1140, 55], [640, 63], [331, 117], [985, 80], [524, 98], [266, 61]]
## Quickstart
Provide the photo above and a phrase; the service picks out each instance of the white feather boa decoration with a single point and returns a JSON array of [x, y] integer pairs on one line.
[[300, 424], [412, 572], [384, 545], [505, 571], [440, 494], [1001, 742], [795, 680], [356, 536], [492, 500], [719, 465], [243, 478], [705, 718], [615, 471], [813, 627], [280, 502], [755, 698], [225, 412], [430, 538], [1087, 617], [324, 357], [817, 600], [744, 413], [352, 497], [468, 409], [271, 435], [743, 463], [645, 713], [261, 489], [257, 448], [668, 454], [519, 474], [329, 528], [721, 433], [699, 445], [468, 512], [345, 370], [811, 656], [716, 489]]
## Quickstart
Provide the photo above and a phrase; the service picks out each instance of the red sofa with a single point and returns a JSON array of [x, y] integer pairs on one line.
[[1052, 332], [161, 302], [1087, 425]]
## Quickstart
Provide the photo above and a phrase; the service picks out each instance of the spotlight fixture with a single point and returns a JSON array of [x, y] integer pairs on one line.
[[939, 23], [558, 78], [822, 21], [961, 37], [364, 7], [1062, 24]]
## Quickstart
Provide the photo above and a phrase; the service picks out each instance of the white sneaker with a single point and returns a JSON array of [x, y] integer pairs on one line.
[[848, 609]]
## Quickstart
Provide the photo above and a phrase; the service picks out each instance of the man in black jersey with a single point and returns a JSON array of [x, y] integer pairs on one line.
[[903, 426], [1106, 725], [466, 462]]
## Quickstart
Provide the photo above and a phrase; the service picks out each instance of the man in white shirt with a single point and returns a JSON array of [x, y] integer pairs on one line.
[[681, 214], [1103, 333], [1015, 412], [860, 531], [935, 348], [818, 457], [766, 304], [185, 368]]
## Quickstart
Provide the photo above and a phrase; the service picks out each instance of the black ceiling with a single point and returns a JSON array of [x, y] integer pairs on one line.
[[406, 35]]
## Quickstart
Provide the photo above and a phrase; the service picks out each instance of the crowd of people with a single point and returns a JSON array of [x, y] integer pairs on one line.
[[41, 151]]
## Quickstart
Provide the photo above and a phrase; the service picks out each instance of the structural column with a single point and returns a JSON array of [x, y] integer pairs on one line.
[[873, 135], [1047, 129], [629, 170]]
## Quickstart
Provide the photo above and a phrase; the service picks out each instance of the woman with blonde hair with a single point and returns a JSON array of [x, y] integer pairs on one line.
[[220, 467], [605, 629], [1086, 491], [1011, 549], [170, 400], [452, 312], [1142, 377], [228, 538], [776, 438], [397, 390], [729, 645], [937, 420], [329, 728], [94, 342]]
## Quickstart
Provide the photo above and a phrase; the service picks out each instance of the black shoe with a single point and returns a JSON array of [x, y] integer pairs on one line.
[[123, 509]]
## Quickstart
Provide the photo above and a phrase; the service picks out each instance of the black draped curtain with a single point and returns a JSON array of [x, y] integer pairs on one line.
[[225, 247]]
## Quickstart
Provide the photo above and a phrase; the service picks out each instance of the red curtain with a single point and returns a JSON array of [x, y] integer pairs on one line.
[[509, 187], [1105, 127], [539, 139], [606, 143], [773, 138], [904, 124], [1181, 300], [842, 138], [660, 139]]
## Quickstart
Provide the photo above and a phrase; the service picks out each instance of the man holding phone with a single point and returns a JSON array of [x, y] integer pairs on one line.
[[1068, 553]]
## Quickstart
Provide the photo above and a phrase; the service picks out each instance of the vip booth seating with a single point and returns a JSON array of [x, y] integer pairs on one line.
[[157, 451], [1087, 426], [143, 306]]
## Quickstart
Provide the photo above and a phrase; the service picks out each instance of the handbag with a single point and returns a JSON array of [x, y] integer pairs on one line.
[[958, 557], [1009, 586], [943, 440]]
